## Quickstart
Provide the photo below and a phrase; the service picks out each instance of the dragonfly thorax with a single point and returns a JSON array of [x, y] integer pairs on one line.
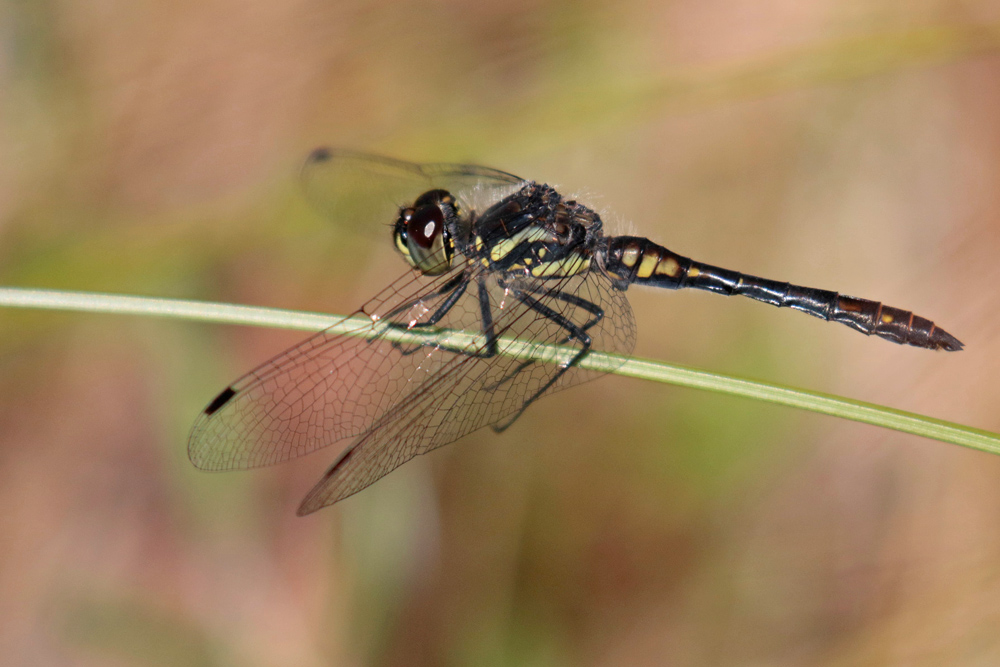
[[536, 232]]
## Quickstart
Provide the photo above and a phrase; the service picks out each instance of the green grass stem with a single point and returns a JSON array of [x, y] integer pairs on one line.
[[656, 371]]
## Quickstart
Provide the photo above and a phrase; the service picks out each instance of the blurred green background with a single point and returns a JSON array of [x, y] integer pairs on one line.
[[151, 148]]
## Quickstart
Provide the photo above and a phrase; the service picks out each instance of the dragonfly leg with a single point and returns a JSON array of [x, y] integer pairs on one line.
[[574, 332], [458, 281], [456, 285], [596, 311], [486, 317]]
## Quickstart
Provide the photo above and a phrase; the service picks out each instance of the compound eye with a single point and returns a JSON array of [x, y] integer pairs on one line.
[[424, 240], [425, 226]]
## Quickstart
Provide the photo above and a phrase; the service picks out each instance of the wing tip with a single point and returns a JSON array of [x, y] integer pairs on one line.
[[197, 450], [197, 453], [319, 498], [325, 492]]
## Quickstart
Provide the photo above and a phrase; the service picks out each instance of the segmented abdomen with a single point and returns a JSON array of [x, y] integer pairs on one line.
[[638, 260]]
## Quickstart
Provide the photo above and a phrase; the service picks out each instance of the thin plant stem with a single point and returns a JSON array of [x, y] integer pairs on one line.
[[657, 371]]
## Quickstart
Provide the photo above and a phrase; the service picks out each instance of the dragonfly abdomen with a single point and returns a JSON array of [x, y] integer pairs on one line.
[[640, 261]]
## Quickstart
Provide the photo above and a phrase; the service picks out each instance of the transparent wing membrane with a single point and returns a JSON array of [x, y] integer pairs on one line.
[[405, 399], [471, 390], [364, 192], [325, 389]]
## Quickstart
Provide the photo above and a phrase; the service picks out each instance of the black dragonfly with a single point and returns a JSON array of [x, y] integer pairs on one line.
[[508, 259]]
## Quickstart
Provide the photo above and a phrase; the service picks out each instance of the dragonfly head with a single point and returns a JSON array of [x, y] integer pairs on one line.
[[421, 232]]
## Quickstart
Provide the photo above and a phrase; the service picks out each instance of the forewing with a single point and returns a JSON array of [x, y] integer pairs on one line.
[[327, 388], [365, 192], [471, 391]]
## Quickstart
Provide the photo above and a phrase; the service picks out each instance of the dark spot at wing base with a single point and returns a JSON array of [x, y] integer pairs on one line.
[[219, 401]]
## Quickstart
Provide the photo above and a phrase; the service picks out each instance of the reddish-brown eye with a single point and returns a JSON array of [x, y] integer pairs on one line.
[[422, 235], [425, 225]]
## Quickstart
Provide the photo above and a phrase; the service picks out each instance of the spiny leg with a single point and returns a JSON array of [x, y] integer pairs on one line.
[[457, 285], [486, 317], [574, 333], [590, 307], [486, 320]]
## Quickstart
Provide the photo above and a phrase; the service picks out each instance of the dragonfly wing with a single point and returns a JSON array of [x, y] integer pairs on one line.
[[331, 386], [365, 192], [472, 390]]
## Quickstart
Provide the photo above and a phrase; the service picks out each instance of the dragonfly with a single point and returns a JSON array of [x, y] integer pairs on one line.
[[508, 259]]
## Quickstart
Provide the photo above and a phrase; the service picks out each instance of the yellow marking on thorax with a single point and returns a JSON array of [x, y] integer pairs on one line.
[[503, 247], [569, 266]]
